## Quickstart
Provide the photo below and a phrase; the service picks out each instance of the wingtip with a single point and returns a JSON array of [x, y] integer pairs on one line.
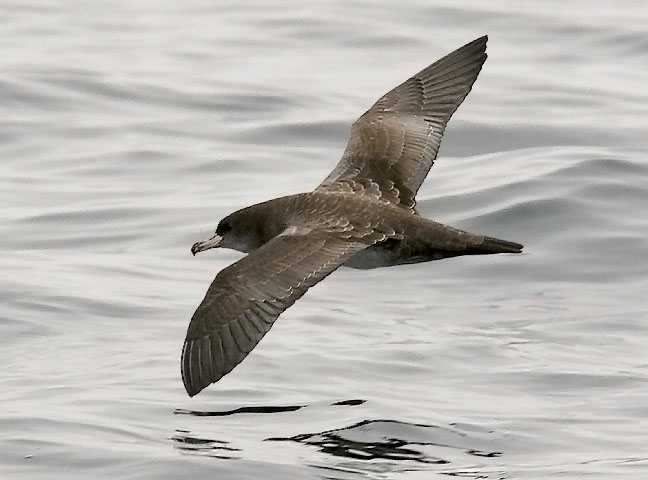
[[191, 389], [191, 393], [473, 53], [478, 44], [484, 41], [481, 40], [191, 383]]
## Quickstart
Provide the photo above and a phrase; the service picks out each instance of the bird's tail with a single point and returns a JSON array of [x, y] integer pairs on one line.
[[495, 245]]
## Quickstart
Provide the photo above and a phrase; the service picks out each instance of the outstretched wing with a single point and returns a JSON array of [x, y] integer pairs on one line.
[[246, 298], [395, 142]]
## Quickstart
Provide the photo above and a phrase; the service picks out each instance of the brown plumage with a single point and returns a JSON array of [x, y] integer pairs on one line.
[[361, 216]]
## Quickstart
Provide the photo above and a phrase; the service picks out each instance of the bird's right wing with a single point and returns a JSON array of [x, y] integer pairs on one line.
[[246, 298], [394, 144]]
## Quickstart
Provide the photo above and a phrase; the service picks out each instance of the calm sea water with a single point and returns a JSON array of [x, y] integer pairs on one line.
[[128, 129]]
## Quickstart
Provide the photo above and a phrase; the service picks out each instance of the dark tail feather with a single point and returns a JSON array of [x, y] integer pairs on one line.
[[495, 245]]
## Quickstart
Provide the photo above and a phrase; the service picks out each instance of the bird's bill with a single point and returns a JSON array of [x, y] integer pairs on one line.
[[211, 242]]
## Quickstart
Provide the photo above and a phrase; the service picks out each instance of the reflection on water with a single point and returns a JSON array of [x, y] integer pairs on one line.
[[225, 413], [367, 446], [392, 442], [260, 409], [183, 441], [337, 443]]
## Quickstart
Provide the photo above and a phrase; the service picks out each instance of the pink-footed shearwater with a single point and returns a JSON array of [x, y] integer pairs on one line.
[[362, 216]]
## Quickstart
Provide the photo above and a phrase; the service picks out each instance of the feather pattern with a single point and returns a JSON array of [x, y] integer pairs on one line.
[[246, 298], [394, 144]]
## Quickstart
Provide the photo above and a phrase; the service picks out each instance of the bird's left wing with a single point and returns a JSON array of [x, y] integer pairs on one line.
[[246, 298]]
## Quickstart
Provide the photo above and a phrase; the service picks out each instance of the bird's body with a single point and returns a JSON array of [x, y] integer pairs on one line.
[[408, 237], [361, 216]]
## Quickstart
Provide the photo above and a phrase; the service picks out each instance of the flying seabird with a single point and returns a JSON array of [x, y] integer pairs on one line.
[[362, 216]]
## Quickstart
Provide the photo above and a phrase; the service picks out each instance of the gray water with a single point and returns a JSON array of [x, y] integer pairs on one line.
[[128, 129]]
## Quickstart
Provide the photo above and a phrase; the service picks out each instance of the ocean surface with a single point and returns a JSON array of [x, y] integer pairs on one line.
[[129, 129]]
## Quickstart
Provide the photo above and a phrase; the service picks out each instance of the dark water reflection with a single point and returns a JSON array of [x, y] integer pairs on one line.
[[236, 411], [372, 446], [368, 445], [187, 443], [355, 442]]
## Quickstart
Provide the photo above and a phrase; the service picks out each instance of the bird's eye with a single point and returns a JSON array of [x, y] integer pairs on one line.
[[223, 228]]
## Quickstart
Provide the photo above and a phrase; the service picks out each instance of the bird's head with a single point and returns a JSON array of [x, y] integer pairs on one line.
[[243, 231], [216, 240]]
